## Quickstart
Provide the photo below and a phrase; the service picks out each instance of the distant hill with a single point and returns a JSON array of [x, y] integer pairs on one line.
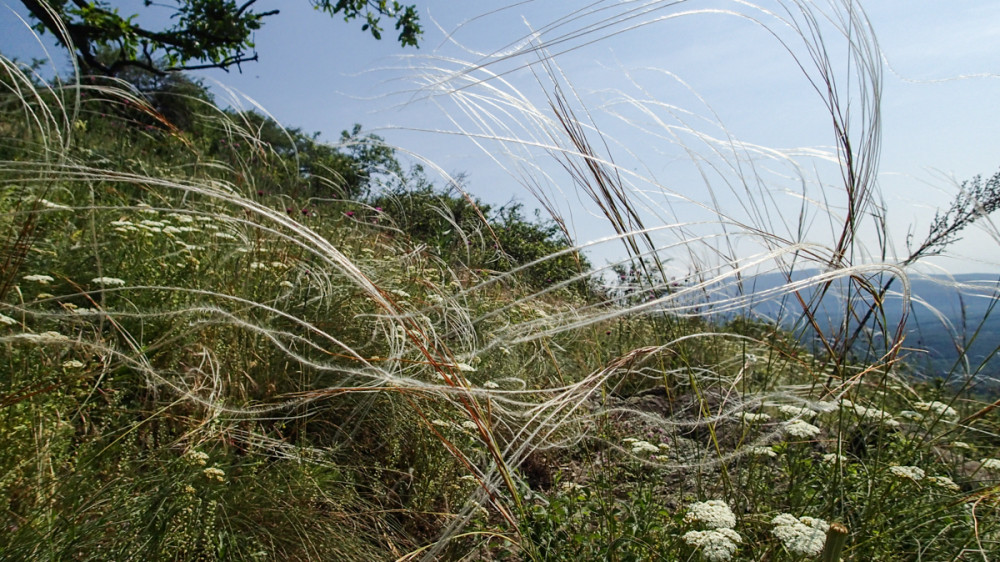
[[943, 311]]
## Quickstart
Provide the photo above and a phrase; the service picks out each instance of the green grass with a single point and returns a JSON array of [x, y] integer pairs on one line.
[[404, 375]]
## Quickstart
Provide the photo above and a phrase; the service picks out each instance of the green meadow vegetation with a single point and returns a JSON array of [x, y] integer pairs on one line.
[[225, 340]]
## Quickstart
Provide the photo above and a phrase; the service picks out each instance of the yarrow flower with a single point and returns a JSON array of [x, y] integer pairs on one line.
[[213, 473], [794, 411], [939, 408], [72, 364], [639, 446], [944, 482], [750, 417], [714, 514], [717, 545], [40, 279], [834, 458], [763, 452], [197, 457], [801, 429], [110, 281], [991, 464], [914, 473], [490, 384], [803, 536]]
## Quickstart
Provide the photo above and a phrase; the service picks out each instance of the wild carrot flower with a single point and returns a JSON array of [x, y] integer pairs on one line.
[[639, 447], [794, 411], [40, 279], [196, 457], [991, 464], [801, 429], [751, 418], [914, 473], [803, 536], [717, 545], [939, 408], [110, 281], [944, 482], [714, 514], [763, 452], [213, 473]]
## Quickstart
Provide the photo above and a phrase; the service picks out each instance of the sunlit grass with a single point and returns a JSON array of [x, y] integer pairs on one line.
[[207, 361]]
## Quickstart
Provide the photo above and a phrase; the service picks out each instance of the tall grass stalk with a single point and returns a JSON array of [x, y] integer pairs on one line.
[[204, 365]]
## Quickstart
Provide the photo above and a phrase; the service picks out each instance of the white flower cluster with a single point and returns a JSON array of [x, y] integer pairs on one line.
[[991, 464], [109, 281], [873, 414], [944, 482], [751, 418], [801, 429], [794, 411], [197, 458], [640, 446], [718, 542], [804, 536], [717, 545], [714, 514], [213, 473], [939, 408], [914, 473], [834, 458], [40, 279], [763, 452]]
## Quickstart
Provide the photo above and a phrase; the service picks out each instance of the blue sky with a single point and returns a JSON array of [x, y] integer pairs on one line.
[[939, 110]]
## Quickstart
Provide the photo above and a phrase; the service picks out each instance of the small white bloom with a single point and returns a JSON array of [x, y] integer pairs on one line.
[[440, 423], [197, 457], [991, 464], [801, 429], [72, 364], [944, 482], [717, 545], [752, 418], [714, 514], [939, 408], [465, 367], [804, 536], [400, 293], [51, 205], [834, 458], [910, 415], [763, 452], [961, 445], [213, 473], [470, 425], [110, 281], [640, 447], [287, 284], [40, 279], [490, 384], [794, 411], [914, 473]]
